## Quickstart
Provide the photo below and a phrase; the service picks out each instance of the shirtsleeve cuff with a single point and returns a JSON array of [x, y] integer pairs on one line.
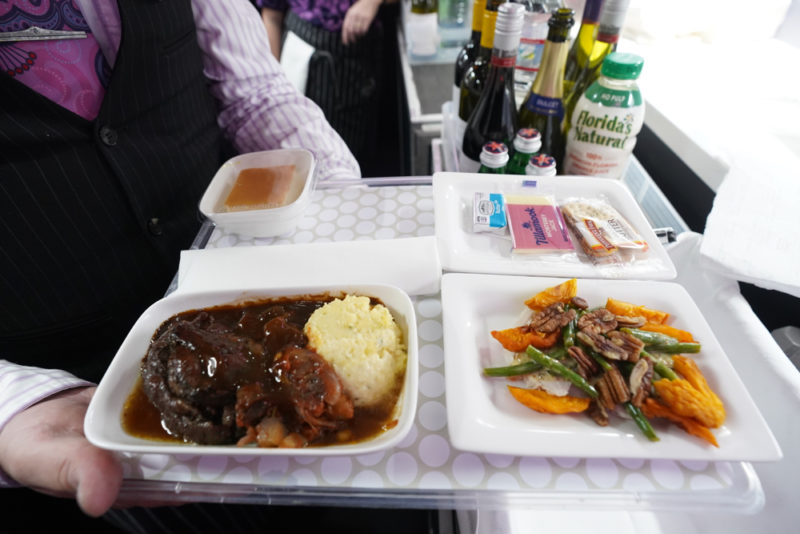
[[21, 387]]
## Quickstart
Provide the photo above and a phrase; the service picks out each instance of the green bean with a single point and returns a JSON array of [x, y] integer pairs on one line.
[[658, 342], [602, 362], [675, 348], [660, 367], [558, 368], [557, 353], [650, 338], [513, 370], [568, 333], [641, 421]]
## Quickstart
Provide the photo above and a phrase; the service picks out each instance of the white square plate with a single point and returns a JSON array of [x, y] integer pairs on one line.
[[482, 416], [463, 250], [103, 425]]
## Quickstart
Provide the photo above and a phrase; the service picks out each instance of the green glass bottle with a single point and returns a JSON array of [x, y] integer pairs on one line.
[[494, 157], [541, 165], [475, 76], [543, 108], [582, 45], [495, 115], [609, 28], [526, 144]]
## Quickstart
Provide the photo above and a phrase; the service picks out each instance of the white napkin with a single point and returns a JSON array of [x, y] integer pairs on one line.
[[295, 55], [412, 264], [753, 231]]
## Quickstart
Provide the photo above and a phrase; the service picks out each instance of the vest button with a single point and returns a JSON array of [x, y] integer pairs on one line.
[[108, 136], [154, 226]]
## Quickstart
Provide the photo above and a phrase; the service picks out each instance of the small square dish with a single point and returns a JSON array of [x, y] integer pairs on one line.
[[261, 194], [482, 415], [105, 428]]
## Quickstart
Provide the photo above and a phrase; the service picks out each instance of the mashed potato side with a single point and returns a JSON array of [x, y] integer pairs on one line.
[[364, 345]]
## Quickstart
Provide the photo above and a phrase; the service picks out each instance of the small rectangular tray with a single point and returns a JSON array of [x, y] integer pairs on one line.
[[463, 250]]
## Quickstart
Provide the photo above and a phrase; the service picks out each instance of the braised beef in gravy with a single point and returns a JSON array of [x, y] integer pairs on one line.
[[243, 373]]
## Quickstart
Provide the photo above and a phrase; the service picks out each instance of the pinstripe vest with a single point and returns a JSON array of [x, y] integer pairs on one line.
[[93, 214]]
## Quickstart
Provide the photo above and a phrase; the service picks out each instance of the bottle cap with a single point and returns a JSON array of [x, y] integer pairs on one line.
[[541, 165], [508, 26], [509, 18], [528, 140], [494, 154], [622, 66]]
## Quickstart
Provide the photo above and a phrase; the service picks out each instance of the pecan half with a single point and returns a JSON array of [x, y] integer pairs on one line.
[[631, 345], [598, 321], [630, 322], [598, 413], [612, 388], [579, 302], [640, 381], [552, 318], [586, 364], [602, 345]]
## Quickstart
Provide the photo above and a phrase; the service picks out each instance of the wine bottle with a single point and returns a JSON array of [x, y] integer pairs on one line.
[[423, 28], [475, 76], [495, 115], [609, 28], [469, 51], [583, 43], [543, 108], [526, 144], [423, 7]]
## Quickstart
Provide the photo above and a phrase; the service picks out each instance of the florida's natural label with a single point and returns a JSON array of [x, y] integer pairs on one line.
[[603, 132]]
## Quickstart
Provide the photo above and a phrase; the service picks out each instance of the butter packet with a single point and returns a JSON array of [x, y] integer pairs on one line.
[[488, 213], [536, 225]]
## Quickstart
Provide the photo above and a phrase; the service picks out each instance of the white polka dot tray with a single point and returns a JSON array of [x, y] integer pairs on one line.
[[425, 469]]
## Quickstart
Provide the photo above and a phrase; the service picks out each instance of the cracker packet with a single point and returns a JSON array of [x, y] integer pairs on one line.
[[599, 228]]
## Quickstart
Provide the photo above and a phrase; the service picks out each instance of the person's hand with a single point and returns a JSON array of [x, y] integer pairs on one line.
[[44, 448], [358, 19]]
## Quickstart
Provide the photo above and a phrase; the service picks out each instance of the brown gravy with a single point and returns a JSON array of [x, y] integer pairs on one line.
[[141, 419], [261, 188]]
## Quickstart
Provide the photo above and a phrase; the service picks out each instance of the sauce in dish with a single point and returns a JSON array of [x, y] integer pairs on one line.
[[261, 188]]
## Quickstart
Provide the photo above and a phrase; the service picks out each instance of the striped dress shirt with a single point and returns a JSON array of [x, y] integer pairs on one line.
[[259, 109]]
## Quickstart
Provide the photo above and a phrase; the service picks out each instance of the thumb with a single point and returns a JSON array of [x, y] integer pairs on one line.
[[95, 477]]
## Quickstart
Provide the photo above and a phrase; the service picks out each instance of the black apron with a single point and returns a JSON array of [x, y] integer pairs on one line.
[[93, 214], [345, 81]]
